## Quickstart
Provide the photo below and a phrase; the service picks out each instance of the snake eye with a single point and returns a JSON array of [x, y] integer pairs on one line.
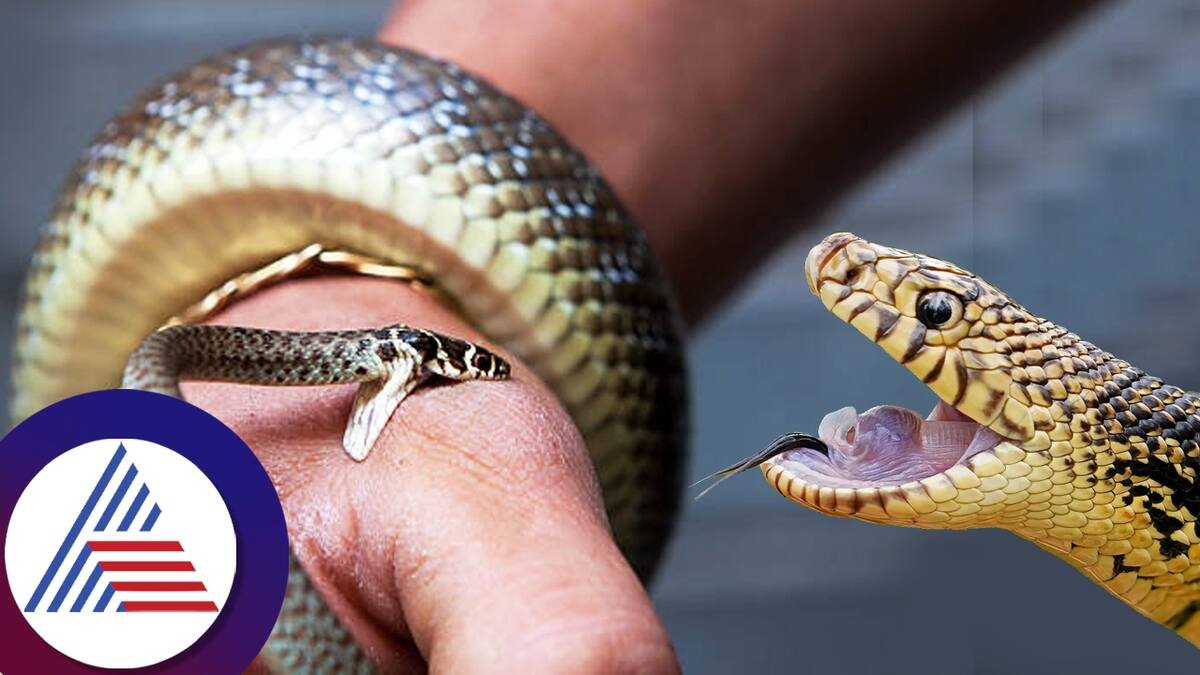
[[938, 309]]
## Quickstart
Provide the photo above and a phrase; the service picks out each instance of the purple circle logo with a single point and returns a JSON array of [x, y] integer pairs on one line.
[[140, 533]]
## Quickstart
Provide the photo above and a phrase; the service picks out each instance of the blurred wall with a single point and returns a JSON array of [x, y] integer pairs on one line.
[[1073, 185]]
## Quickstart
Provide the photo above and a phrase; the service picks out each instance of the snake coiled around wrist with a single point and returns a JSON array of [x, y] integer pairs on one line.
[[377, 151]]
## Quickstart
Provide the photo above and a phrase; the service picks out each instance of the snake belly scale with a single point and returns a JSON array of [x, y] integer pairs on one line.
[[264, 150]]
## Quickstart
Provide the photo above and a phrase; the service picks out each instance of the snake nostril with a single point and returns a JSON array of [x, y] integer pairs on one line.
[[821, 254]]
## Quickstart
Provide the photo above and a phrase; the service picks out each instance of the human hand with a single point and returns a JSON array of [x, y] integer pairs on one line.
[[473, 539]]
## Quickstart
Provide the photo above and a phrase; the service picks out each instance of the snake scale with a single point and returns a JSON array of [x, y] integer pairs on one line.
[[263, 151], [1038, 432]]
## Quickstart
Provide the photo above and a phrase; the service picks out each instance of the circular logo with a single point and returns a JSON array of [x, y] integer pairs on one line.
[[143, 534], [120, 526]]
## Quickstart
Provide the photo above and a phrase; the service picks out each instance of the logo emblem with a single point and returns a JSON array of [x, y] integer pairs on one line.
[[139, 532], [121, 526]]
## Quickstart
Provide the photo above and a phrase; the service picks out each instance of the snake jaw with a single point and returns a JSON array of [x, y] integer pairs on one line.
[[975, 490], [892, 457], [966, 357], [885, 445]]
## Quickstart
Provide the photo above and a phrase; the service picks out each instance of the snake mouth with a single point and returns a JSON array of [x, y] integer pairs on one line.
[[885, 446]]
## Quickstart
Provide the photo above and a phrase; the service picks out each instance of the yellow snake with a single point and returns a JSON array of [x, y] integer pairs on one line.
[[1037, 431], [284, 152]]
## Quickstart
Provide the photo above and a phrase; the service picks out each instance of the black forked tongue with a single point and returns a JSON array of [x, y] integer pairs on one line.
[[786, 442], [792, 441]]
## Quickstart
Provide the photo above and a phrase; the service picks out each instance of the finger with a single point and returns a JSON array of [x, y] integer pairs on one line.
[[515, 569]]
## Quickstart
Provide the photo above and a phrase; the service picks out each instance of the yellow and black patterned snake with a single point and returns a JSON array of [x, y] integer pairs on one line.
[[284, 152], [1037, 431]]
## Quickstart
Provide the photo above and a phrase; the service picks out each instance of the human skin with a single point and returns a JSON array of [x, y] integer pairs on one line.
[[726, 126], [474, 539]]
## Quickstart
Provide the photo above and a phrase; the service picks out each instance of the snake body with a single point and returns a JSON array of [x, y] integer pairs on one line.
[[290, 358], [387, 363], [1069, 446], [262, 151]]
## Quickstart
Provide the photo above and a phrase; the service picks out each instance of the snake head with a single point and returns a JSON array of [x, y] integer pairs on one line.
[[488, 366], [947, 326], [994, 366], [461, 360]]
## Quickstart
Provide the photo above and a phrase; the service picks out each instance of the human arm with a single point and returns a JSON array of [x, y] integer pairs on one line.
[[725, 125]]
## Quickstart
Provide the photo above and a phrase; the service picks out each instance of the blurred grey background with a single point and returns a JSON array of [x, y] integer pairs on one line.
[[1073, 184]]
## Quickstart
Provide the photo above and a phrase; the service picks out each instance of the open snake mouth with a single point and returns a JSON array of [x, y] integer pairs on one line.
[[886, 445], [949, 329]]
